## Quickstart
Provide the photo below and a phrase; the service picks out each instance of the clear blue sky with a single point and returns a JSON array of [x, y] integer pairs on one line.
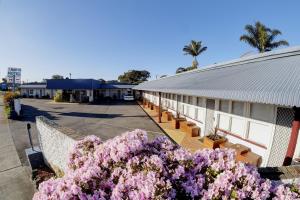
[[102, 39]]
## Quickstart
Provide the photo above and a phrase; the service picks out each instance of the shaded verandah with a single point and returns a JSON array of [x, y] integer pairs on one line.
[[188, 136]]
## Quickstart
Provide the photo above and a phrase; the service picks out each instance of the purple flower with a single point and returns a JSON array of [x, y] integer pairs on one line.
[[130, 166]]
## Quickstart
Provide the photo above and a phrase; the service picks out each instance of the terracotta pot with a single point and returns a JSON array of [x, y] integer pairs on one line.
[[193, 131], [151, 106], [156, 108], [167, 116], [184, 125]]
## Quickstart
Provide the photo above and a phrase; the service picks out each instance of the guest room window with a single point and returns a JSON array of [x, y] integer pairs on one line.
[[190, 100], [199, 102], [224, 106], [261, 112], [238, 108], [184, 99]]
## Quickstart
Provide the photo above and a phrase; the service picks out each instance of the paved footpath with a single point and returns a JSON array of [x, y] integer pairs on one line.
[[15, 183]]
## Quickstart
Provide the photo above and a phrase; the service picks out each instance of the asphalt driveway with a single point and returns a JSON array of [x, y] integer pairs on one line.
[[105, 121]]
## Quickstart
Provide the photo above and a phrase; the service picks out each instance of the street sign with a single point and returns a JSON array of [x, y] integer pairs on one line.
[[14, 75]]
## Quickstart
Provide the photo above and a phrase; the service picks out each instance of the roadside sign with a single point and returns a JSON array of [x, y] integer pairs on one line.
[[14, 75]]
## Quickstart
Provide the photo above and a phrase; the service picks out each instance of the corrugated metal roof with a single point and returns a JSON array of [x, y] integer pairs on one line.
[[70, 84], [116, 86], [272, 78], [29, 86]]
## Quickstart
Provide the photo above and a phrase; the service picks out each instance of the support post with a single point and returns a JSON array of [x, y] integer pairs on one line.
[[177, 109], [293, 138], [159, 107]]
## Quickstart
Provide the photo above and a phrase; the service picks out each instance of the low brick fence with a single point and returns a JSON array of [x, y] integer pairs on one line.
[[17, 106], [55, 142]]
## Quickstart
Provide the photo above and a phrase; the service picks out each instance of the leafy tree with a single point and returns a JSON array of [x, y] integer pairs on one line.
[[134, 76], [262, 38], [185, 69], [194, 49], [56, 76], [180, 70], [101, 80], [112, 81]]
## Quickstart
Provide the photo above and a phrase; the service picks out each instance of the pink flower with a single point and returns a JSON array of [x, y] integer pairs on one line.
[[130, 166]]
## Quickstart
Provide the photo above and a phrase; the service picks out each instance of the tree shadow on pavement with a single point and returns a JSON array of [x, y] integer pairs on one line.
[[29, 113]]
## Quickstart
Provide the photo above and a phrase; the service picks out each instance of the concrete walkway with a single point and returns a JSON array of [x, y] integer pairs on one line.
[[15, 183], [180, 137]]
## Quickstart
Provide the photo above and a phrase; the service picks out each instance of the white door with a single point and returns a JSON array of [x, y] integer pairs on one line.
[[210, 111]]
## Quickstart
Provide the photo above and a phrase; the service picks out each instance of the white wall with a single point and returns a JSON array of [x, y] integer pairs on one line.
[[17, 106], [32, 92], [246, 129], [112, 92], [297, 150], [36, 91], [254, 127]]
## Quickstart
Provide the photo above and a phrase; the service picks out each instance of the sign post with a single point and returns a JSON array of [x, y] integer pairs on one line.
[[14, 77]]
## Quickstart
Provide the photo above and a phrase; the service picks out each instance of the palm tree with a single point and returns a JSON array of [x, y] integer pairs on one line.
[[194, 49], [262, 38]]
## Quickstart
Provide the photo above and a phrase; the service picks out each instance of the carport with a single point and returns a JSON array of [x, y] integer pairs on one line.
[[75, 90]]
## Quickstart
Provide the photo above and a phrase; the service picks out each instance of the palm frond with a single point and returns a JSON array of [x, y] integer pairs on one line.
[[248, 39], [275, 32], [278, 44], [261, 37], [202, 50], [250, 29]]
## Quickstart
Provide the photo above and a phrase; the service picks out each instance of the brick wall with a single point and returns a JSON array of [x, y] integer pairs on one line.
[[55, 142]]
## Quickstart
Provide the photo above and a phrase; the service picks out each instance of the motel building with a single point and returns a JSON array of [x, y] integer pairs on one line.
[[77, 90], [253, 101]]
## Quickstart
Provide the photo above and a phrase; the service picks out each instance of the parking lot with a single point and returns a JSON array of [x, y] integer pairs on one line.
[[105, 121]]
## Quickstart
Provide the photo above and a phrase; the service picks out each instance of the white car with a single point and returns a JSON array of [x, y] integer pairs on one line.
[[128, 98]]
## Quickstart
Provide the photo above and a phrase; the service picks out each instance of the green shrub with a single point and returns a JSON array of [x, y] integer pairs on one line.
[[9, 97], [8, 102], [7, 111], [58, 97]]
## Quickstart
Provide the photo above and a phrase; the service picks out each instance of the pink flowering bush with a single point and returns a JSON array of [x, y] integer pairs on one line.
[[132, 167]]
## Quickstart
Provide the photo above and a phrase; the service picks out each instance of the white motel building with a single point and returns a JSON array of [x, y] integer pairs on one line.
[[81, 90], [253, 101]]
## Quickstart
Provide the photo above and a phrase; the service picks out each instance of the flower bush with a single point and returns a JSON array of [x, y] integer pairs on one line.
[[8, 101], [9, 97], [132, 167]]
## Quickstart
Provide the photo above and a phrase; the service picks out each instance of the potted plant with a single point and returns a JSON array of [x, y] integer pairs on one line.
[[213, 140]]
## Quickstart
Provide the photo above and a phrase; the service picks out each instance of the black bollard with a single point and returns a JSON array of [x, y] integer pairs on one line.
[[29, 135]]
